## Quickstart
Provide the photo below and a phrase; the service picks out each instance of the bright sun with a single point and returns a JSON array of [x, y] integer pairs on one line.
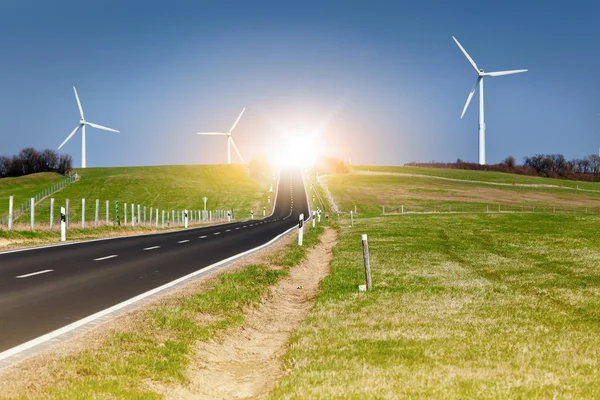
[[294, 151]]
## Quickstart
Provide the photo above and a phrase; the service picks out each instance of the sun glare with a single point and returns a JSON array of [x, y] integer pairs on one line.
[[294, 151]]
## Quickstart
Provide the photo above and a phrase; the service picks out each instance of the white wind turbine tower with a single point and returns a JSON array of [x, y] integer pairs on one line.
[[82, 124], [480, 75], [230, 141]]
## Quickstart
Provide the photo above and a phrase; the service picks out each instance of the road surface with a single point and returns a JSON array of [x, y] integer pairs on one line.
[[44, 289]]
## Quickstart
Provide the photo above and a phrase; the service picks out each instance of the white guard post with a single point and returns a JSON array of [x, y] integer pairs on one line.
[[63, 224], [228, 215], [185, 218], [300, 229]]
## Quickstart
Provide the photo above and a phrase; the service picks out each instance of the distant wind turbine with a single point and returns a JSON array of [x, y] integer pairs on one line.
[[480, 75], [230, 141], [82, 124]]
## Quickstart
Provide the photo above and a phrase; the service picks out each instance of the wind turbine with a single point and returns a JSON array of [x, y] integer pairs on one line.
[[480, 75], [230, 141], [82, 124]]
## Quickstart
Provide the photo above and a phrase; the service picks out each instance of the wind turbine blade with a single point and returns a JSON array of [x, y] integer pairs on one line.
[[470, 97], [466, 55], [78, 103], [236, 150], [237, 120], [500, 73], [70, 136], [212, 133], [101, 127]]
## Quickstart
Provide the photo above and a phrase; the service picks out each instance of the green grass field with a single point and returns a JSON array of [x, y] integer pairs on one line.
[[370, 192], [485, 176], [463, 306], [24, 188], [165, 187]]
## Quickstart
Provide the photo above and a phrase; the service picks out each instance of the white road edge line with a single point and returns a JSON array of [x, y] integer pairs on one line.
[[183, 241], [34, 273], [49, 336], [151, 248], [105, 258]]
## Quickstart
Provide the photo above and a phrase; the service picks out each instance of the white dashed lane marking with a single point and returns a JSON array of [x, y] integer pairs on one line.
[[105, 258], [202, 237], [183, 241], [217, 233], [34, 273], [227, 230], [152, 248]]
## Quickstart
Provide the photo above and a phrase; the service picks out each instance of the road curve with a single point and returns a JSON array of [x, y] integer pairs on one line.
[[44, 289]]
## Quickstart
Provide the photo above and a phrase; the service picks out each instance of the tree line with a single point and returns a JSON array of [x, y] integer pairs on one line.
[[546, 165], [31, 161]]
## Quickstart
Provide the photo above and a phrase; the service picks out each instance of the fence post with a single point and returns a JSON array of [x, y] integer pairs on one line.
[[51, 213], [82, 213], [367, 262], [144, 215], [383, 209], [132, 215], [117, 216], [68, 215], [125, 213], [139, 219], [163, 218], [157, 217], [402, 208], [151, 214], [32, 214], [96, 213]]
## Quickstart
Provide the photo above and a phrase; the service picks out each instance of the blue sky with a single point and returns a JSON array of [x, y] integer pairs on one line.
[[382, 81]]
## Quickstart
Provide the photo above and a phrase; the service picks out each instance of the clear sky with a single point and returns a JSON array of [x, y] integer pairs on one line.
[[382, 81]]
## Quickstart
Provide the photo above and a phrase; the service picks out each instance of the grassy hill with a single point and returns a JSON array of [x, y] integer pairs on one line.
[[396, 186], [484, 176], [165, 187], [464, 305], [25, 187]]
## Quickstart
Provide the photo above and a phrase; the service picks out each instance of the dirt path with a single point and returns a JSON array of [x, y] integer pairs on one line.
[[247, 363]]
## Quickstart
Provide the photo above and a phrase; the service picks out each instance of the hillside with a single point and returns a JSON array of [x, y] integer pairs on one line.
[[165, 187], [25, 187]]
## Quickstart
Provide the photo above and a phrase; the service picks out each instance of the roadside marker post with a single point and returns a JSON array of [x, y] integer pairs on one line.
[[269, 199], [185, 218], [151, 214], [163, 219], [264, 211], [32, 214], [252, 214], [319, 215], [205, 199], [118, 219], [82, 213], [125, 213], [351, 219], [10, 212], [51, 213], [157, 217], [139, 219], [63, 224], [145, 215], [132, 215], [228, 215], [365, 247], [314, 217], [107, 207], [300, 229]]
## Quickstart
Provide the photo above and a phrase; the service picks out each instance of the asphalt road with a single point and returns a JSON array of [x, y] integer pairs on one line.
[[44, 289]]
